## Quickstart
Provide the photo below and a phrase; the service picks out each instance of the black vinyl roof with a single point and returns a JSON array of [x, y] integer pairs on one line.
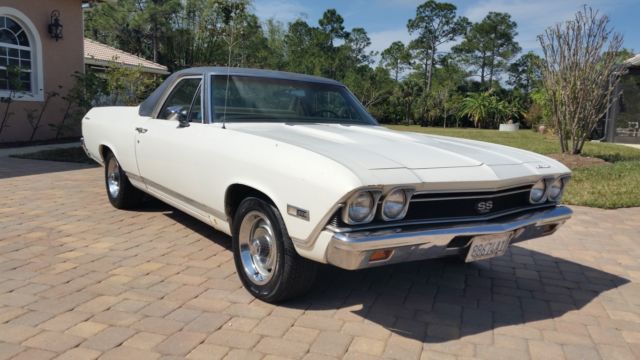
[[147, 106]]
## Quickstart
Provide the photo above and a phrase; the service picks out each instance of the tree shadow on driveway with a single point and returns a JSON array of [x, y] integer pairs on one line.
[[439, 300], [445, 299], [13, 167]]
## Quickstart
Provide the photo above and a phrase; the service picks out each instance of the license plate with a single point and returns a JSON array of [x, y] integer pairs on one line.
[[488, 246]]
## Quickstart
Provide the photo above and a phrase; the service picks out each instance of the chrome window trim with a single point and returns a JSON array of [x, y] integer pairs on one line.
[[165, 95], [193, 101], [206, 100]]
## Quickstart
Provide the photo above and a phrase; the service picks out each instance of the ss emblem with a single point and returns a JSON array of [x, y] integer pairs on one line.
[[484, 207]]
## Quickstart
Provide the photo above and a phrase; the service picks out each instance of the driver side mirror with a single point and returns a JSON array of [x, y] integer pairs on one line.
[[181, 114], [183, 121], [178, 113]]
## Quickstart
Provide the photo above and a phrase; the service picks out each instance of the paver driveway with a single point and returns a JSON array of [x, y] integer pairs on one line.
[[83, 280]]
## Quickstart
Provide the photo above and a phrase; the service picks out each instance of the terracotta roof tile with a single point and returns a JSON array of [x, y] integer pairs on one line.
[[634, 61], [96, 53]]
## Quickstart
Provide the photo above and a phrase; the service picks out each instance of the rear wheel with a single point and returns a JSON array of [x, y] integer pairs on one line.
[[122, 195], [265, 259]]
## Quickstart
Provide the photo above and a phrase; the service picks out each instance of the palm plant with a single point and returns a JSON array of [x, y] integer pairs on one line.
[[479, 107], [486, 109], [407, 92], [505, 110]]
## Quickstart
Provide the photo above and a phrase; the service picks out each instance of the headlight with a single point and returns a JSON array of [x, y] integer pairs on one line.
[[537, 192], [556, 189], [395, 204], [361, 207]]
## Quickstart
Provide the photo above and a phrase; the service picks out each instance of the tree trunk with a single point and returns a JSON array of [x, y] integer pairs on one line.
[[482, 68], [445, 117], [406, 112], [397, 69], [426, 72], [492, 66], [154, 41], [37, 124], [432, 58], [64, 119], [5, 117]]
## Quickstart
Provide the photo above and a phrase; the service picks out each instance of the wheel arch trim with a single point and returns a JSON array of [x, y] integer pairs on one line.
[[233, 198]]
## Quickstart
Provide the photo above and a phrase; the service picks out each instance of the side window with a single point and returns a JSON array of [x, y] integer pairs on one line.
[[178, 103]]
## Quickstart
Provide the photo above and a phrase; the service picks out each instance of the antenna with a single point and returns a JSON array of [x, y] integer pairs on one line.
[[230, 43]]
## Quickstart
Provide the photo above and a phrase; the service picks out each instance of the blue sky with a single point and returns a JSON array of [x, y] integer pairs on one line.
[[385, 20]]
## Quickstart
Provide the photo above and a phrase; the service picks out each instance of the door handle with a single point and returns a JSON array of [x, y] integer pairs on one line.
[[141, 130]]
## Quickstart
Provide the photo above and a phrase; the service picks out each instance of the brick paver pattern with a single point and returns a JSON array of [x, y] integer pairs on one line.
[[82, 280]]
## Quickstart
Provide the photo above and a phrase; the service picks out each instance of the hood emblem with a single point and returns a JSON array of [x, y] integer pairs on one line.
[[484, 207]]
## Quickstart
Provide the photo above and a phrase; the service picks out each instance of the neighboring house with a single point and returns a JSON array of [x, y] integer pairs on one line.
[[100, 56], [35, 66], [623, 120]]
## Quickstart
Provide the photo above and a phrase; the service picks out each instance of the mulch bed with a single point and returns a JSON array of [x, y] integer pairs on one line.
[[578, 161]]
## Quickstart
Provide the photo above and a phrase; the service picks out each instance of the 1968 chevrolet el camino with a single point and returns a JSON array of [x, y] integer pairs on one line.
[[298, 173]]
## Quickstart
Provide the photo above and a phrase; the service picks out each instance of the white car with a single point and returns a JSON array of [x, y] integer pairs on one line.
[[298, 173]]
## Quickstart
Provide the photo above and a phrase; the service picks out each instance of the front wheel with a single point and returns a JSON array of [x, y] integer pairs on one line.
[[265, 259]]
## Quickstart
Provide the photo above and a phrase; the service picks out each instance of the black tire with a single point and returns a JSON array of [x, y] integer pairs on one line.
[[127, 196], [292, 274]]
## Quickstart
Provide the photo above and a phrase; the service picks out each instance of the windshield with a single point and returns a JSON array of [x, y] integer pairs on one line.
[[258, 99]]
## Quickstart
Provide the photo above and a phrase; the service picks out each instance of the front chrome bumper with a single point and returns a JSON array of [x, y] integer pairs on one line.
[[352, 250]]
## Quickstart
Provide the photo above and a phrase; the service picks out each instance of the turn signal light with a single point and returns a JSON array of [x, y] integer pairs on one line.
[[380, 255]]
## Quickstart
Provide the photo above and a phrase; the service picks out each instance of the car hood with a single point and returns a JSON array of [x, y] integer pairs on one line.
[[376, 147]]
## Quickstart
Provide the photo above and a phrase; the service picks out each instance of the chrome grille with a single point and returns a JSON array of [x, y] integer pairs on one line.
[[467, 204], [447, 207]]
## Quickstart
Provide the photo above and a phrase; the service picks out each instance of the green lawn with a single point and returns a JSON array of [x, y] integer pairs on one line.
[[605, 186]]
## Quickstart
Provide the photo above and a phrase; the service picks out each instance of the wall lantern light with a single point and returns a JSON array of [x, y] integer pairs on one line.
[[55, 26]]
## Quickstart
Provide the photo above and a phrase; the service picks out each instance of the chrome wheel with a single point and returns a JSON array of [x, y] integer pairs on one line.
[[113, 177], [258, 247]]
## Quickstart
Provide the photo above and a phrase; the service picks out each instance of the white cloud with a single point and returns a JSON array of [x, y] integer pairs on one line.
[[282, 10], [381, 40], [402, 3], [534, 16]]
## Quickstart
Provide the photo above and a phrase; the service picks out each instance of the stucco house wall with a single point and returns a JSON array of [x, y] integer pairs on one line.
[[52, 64]]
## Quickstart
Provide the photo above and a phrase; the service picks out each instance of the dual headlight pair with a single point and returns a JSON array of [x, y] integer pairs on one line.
[[548, 189], [361, 208]]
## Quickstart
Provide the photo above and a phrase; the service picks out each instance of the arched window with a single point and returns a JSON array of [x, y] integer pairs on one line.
[[20, 58], [15, 56]]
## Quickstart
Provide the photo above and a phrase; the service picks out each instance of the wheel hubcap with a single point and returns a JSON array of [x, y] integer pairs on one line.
[[113, 178], [258, 249]]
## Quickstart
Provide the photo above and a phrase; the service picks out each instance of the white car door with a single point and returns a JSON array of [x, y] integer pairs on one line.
[[169, 146]]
